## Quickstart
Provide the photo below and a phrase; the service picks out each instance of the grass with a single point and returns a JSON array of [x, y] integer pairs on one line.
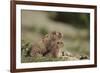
[[26, 58], [41, 59]]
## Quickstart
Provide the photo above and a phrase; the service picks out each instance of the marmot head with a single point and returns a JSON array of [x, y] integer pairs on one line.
[[56, 35], [60, 44]]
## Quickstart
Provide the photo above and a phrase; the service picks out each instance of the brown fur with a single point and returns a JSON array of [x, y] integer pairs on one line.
[[55, 49], [49, 44]]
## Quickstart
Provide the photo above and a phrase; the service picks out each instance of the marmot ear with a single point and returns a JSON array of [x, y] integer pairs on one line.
[[60, 35]]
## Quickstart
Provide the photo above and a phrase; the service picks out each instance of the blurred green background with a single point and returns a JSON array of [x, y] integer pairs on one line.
[[74, 26]]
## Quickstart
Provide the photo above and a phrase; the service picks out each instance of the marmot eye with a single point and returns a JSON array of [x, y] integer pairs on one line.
[[61, 42], [58, 42]]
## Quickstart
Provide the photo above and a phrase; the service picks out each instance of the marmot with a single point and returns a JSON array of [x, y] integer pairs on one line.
[[50, 43], [55, 49]]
